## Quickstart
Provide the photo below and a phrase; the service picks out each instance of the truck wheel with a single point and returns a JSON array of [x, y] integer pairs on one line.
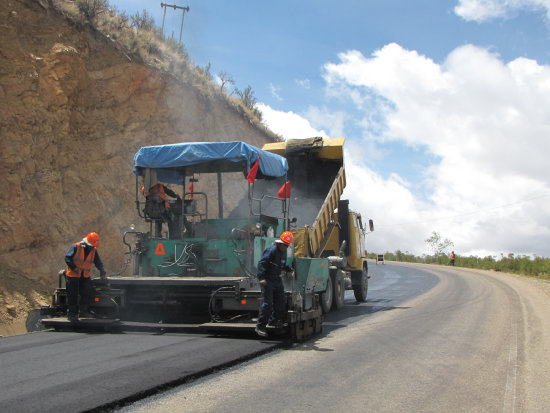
[[339, 287], [360, 291], [327, 297]]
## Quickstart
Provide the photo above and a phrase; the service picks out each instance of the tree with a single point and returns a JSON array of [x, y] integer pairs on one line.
[[437, 245], [143, 21], [247, 97], [225, 79], [205, 71]]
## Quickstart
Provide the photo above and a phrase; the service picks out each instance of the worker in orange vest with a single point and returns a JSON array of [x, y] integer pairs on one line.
[[160, 190], [80, 258], [155, 209], [452, 258]]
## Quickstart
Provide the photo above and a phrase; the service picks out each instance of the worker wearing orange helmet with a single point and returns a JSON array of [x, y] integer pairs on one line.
[[270, 266], [80, 258]]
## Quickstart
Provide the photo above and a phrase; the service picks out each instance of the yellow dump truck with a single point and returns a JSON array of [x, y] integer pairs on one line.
[[322, 223]]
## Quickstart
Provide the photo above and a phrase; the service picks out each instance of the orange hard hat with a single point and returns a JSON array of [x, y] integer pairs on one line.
[[93, 239], [287, 237]]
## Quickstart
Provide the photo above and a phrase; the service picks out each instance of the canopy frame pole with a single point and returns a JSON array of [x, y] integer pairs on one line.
[[220, 196], [250, 256], [182, 215], [286, 206]]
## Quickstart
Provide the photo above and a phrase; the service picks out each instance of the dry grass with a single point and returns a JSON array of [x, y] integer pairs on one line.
[[151, 48]]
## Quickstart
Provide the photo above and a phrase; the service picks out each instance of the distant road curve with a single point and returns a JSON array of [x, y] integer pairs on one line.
[[474, 341]]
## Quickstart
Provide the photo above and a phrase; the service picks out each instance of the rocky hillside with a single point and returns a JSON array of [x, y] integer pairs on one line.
[[74, 108]]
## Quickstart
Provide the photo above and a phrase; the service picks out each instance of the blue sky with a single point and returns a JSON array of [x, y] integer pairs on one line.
[[445, 105]]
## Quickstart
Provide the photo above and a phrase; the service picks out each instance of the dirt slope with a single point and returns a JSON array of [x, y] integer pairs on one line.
[[74, 108]]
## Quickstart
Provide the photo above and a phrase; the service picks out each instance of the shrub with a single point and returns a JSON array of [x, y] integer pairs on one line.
[[143, 21], [523, 265], [90, 9]]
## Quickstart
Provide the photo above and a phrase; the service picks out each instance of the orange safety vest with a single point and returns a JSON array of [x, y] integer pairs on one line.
[[157, 189], [453, 256], [82, 263]]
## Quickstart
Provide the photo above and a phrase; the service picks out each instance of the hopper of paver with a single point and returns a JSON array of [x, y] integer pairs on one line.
[[317, 174]]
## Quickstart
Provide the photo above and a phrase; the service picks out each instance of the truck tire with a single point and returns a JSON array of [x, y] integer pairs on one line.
[[360, 290], [339, 287], [327, 297]]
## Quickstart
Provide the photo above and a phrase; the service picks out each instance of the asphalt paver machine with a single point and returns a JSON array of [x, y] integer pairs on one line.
[[193, 265]]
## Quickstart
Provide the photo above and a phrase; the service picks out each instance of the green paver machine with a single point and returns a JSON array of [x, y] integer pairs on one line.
[[195, 266]]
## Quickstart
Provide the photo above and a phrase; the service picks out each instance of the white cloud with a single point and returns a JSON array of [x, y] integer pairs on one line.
[[289, 125], [486, 121], [489, 124], [303, 83], [324, 118], [275, 92], [483, 10]]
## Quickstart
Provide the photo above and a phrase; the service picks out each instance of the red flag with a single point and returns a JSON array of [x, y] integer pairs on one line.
[[191, 190], [284, 192], [251, 177]]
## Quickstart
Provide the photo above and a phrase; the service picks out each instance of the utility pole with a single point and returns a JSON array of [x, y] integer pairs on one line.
[[184, 9]]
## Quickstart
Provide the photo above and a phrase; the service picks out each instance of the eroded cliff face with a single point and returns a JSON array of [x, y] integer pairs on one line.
[[74, 109]]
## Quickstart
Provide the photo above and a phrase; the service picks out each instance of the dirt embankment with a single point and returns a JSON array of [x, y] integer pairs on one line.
[[73, 111]]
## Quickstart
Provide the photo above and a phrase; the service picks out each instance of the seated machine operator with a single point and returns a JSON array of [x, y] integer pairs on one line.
[[157, 206]]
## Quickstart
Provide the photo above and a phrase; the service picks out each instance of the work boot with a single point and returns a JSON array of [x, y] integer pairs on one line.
[[261, 331], [276, 324]]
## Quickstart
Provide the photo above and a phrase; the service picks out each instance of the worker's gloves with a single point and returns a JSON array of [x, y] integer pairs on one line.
[[263, 283], [289, 271]]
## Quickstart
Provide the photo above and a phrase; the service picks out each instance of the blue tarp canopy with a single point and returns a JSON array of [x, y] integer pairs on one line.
[[172, 162]]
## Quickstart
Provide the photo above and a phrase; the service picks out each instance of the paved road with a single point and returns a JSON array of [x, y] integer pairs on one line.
[[72, 372], [469, 341]]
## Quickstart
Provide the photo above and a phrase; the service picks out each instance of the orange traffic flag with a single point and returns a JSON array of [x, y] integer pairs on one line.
[[284, 192], [251, 177]]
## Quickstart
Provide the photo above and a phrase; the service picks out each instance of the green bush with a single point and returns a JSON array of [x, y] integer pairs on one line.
[[523, 265]]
